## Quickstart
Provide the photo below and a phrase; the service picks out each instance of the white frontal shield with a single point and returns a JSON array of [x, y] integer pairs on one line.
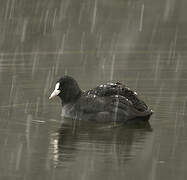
[[56, 92]]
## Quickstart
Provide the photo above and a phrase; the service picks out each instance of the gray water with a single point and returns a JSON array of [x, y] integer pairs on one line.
[[140, 43]]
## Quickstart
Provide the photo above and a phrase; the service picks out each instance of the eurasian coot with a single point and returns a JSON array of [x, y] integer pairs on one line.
[[108, 102]]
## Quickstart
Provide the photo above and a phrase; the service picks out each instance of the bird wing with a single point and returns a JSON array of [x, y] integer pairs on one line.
[[94, 104], [105, 108], [118, 89]]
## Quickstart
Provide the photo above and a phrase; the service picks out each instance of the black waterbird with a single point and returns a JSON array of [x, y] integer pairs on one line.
[[111, 102]]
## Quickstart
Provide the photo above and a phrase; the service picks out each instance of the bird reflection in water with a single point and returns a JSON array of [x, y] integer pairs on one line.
[[104, 142]]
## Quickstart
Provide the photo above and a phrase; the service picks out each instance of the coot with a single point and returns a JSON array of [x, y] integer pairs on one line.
[[104, 103]]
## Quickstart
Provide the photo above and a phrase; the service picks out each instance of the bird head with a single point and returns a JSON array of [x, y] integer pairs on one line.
[[67, 89]]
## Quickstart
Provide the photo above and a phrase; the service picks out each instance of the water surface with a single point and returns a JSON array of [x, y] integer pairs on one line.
[[140, 43]]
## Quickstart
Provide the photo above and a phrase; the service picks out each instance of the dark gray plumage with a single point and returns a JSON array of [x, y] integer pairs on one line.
[[109, 102]]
